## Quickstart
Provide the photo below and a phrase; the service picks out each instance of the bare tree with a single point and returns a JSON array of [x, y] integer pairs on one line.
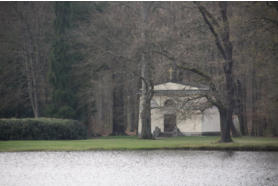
[[33, 21], [221, 31], [147, 85]]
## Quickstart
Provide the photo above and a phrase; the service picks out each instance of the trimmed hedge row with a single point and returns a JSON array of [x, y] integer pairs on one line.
[[41, 129]]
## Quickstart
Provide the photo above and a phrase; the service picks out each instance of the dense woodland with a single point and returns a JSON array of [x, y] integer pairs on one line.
[[89, 60]]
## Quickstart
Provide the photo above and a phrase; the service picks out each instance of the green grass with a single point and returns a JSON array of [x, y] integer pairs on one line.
[[41, 119], [133, 143]]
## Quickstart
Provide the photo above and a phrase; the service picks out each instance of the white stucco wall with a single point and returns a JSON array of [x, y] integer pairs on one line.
[[157, 119], [190, 124], [211, 120]]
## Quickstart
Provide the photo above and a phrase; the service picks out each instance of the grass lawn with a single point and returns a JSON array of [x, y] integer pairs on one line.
[[133, 143]]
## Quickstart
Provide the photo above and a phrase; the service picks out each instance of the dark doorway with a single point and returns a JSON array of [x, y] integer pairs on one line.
[[169, 122]]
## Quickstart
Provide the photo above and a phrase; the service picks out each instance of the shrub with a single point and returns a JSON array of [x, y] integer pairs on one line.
[[41, 129]]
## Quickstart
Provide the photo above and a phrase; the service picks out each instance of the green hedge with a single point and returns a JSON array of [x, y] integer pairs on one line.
[[41, 129]]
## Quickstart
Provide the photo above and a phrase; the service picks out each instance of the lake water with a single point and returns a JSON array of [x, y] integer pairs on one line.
[[156, 167]]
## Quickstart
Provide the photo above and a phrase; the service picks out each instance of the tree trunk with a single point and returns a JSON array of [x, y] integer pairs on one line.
[[146, 101], [241, 94], [146, 119], [225, 124], [147, 88], [228, 112]]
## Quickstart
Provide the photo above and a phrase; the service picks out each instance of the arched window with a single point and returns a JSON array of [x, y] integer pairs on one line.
[[169, 103]]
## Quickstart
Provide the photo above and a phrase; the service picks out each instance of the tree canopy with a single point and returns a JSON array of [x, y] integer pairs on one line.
[[90, 60]]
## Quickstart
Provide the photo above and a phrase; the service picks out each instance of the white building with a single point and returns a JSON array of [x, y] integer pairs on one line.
[[170, 110]]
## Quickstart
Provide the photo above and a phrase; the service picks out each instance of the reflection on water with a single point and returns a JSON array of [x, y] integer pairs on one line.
[[138, 168]]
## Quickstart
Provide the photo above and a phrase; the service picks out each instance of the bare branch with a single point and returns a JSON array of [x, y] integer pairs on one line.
[[206, 15]]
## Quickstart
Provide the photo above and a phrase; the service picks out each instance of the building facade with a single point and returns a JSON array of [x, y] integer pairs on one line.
[[182, 106]]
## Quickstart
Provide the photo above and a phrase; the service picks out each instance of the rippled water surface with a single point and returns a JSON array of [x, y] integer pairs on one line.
[[138, 168]]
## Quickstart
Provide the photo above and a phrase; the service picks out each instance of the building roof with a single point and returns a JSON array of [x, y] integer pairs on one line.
[[179, 86], [171, 88]]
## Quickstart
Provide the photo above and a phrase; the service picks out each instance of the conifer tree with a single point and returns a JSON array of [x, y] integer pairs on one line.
[[60, 75]]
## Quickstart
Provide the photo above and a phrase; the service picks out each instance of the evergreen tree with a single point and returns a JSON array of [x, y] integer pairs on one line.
[[63, 96]]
